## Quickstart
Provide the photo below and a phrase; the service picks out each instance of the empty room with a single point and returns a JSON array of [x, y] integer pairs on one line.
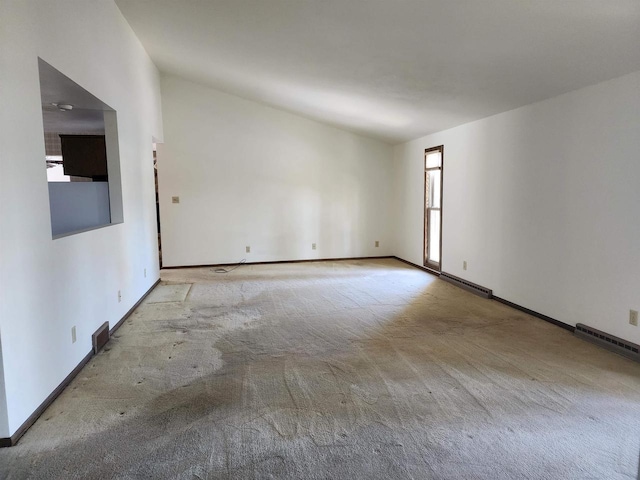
[[319, 239]]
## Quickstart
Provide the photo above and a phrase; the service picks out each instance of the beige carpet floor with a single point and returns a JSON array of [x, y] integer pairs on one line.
[[336, 370]]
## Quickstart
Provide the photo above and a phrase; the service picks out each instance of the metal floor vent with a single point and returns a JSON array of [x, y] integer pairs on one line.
[[465, 284], [100, 337], [608, 341]]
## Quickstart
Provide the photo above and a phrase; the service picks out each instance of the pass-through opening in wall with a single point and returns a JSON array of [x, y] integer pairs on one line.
[[82, 155]]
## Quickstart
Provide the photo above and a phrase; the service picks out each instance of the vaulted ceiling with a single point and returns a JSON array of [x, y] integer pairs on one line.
[[392, 69]]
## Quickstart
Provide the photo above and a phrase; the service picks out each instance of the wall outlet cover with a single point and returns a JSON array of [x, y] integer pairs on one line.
[[247, 249], [633, 317], [175, 199]]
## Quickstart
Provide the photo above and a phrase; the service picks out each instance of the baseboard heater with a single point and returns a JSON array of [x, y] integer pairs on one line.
[[466, 285], [610, 342], [100, 337]]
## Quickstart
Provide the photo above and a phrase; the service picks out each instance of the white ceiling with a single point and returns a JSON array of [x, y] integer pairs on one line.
[[393, 69]]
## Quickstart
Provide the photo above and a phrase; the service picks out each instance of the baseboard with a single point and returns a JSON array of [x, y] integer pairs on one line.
[[607, 341], [502, 300], [10, 442], [536, 314], [128, 314], [474, 288], [13, 440], [279, 261], [420, 267]]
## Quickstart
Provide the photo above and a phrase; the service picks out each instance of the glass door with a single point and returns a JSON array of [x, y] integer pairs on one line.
[[433, 158]]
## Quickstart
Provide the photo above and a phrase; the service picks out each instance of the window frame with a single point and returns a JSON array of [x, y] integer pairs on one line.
[[436, 267]]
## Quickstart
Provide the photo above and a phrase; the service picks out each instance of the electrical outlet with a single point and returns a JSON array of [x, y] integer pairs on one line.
[[633, 317], [73, 334], [175, 199], [377, 243], [247, 249], [145, 273], [119, 296], [313, 246], [464, 265]]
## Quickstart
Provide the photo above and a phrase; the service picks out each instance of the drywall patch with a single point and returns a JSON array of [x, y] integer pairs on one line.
[[169, 293]]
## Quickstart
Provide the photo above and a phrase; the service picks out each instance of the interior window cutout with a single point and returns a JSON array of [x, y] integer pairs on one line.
[[81, 155]]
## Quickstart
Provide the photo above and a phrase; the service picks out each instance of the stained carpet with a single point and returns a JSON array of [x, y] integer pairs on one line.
[[336, 370]]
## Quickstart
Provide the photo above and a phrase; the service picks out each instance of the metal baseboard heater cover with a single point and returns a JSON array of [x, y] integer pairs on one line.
[[610, 342], [100, 337], [467, 285]]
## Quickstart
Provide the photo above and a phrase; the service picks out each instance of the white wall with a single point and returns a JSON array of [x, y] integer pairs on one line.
[[543, 202], [47, 286], [4, 419], [248, 174]]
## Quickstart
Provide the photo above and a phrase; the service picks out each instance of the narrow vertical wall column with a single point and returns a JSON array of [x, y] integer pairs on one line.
[[4, 418]]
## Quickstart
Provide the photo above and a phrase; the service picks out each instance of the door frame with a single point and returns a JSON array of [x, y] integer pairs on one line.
[[425, 245]]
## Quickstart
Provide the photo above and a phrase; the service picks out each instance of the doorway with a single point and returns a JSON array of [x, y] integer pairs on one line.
[[433, 169], [155, 178]]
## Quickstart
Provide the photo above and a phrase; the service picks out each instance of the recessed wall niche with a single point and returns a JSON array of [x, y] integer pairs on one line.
[[82, 156]]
